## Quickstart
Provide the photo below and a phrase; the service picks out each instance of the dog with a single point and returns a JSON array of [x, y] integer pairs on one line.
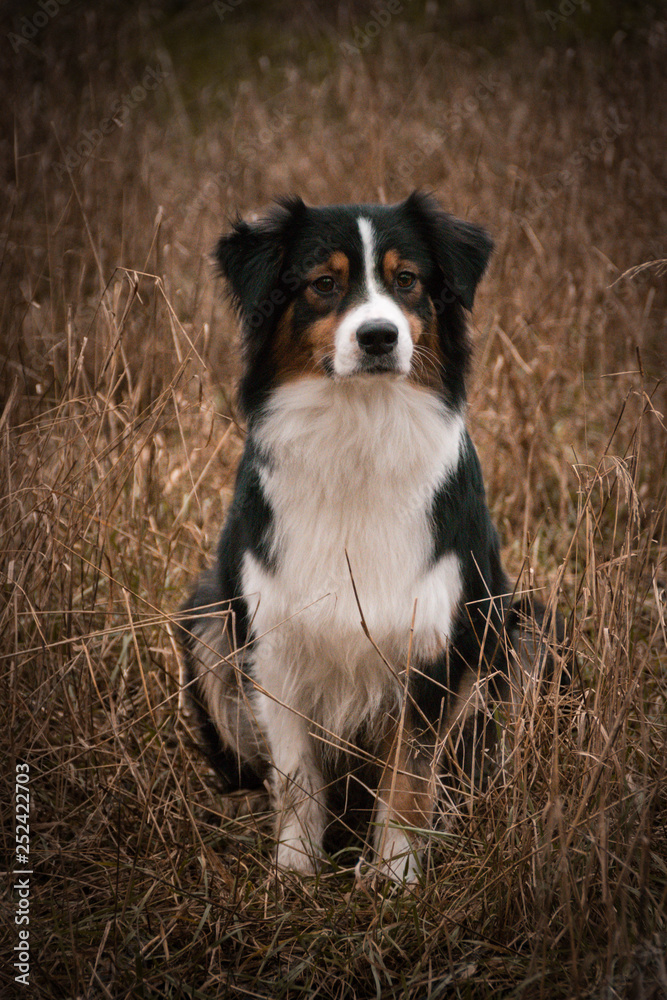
[[358, 613]]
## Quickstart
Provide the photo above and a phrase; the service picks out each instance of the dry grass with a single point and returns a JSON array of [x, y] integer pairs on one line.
[[119, 442]]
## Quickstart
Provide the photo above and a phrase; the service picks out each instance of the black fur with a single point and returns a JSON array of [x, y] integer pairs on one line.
[[265, 266]]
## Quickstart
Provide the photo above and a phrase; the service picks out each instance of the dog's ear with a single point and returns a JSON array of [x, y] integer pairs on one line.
[[461, 249], [250, 258]]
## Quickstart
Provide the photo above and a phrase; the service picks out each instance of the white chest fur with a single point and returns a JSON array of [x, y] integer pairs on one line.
[[353, 468]]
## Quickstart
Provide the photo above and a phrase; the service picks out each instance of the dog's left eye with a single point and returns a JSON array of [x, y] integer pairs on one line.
[[405, 280], [325, 285]]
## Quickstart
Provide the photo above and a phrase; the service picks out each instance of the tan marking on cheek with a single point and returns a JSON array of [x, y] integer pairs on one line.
[[322, 336], [296, 359], [416, 327], [292, 359], [427, 360], [315, 301]]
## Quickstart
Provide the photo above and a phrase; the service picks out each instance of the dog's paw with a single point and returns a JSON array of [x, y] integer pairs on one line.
[[401, 869], [404, 869], [397, 856], [295, 856]]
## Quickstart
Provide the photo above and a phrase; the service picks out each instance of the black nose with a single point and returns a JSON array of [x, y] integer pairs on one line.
[[377, 336]]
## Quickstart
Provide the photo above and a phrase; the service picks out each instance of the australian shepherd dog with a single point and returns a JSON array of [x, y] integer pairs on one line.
[[358, 615]]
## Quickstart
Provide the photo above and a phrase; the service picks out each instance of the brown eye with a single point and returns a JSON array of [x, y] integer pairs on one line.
[[324, 285], [405, 280]]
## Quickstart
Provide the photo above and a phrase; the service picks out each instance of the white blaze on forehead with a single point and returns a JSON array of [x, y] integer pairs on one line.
[[368, 243], [376, 305]]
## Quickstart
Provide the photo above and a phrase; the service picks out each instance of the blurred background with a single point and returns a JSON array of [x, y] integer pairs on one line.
[[135, 132]]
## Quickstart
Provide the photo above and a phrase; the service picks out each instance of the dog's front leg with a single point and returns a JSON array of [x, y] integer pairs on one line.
[[404, 806], [297, 786]]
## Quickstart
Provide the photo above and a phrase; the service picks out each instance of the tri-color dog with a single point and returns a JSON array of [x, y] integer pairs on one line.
[[358, 596]]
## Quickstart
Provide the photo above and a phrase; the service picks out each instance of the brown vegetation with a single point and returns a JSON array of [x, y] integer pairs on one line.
[[119, 443]]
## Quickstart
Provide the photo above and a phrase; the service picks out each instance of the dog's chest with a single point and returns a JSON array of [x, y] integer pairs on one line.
[[350, 477]]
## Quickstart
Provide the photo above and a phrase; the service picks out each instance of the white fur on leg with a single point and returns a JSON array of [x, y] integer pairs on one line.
[[300, 824], [298, 788]]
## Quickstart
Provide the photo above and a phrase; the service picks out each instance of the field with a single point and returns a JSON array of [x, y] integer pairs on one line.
[[132, 137]]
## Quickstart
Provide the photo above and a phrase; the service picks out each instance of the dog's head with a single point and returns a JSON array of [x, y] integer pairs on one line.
[[354, 291]]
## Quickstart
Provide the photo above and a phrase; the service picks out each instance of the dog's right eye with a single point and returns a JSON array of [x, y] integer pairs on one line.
[[405, 280], [325, 285]]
